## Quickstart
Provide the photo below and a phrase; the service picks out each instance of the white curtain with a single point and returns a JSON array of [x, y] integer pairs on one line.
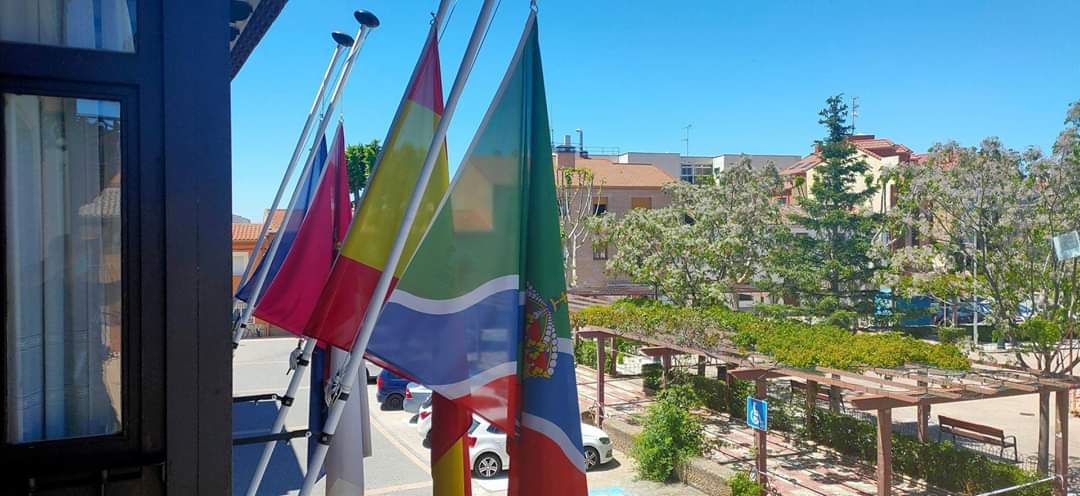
[[62, 292], [94, 24]]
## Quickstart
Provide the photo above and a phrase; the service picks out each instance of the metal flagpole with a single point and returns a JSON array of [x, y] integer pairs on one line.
[[374, 307], [343, 41], [367, 22]]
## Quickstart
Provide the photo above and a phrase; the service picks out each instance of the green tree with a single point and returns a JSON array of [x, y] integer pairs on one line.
[[359, 160], [713, 237], [829, 269]]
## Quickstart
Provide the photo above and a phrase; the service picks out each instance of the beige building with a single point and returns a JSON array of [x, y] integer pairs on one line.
[[880, 154], [622, 186]]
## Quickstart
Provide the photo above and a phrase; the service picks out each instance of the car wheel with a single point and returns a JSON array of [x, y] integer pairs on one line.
[[393, 402], [487, 466], [592, 458]]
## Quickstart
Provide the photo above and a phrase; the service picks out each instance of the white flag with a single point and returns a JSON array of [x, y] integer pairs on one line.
[[352, 441]]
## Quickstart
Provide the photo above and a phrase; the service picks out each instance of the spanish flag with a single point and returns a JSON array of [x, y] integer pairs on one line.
[[337, 316]]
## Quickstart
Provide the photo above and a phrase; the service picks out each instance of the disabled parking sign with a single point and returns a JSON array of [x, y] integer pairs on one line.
[[757, 413]]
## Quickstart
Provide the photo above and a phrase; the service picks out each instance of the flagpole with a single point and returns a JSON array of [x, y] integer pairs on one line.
[[342, 41], [374, 307], [367, 21]]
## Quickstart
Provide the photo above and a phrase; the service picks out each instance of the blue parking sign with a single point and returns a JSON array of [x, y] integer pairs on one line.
[[757, 413]]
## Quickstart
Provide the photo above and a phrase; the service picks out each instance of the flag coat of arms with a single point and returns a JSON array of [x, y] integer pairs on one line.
[[480, 314]]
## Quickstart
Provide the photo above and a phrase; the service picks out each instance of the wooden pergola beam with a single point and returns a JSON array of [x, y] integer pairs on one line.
[[753, 374]]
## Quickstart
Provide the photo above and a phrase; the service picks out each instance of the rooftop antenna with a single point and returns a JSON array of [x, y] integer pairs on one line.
[[686, 139], [854, 112]]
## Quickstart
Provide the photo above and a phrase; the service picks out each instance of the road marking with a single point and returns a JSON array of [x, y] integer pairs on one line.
[[400, 487], [401, 447]]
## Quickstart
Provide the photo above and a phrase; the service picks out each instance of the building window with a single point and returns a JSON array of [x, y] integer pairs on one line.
[[599, 251], [62, 267], [239, 262], [641, 202], [600, 205], [91, 24]]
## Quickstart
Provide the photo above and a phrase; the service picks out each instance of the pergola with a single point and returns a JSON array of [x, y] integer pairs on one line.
[[870, 389]]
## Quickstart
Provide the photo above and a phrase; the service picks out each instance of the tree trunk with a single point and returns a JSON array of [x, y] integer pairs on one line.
[[573, 265], [1044, 432]]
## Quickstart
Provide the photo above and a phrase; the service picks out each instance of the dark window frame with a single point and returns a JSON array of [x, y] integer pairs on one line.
[[135, 402]]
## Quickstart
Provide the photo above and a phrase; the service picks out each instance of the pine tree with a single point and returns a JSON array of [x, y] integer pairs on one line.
[[832, 268]]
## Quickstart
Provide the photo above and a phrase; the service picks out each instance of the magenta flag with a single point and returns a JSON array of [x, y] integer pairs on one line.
[[294, 291]]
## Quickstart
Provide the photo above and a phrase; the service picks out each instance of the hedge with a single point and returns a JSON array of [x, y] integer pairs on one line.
[[791, 342], [942, 465]]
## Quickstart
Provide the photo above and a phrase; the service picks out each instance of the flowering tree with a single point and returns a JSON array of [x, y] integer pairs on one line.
[[999, 208], [577, 191], [712, 238]]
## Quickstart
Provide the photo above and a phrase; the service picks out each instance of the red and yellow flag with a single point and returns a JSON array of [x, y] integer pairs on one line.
[[344, 299]]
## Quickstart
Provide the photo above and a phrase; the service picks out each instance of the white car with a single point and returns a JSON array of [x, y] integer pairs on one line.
[[415, 396], [487, 445], [423, 421]]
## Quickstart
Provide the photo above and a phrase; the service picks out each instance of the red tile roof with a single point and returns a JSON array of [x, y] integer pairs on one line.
[[246, 232], [866, 143]]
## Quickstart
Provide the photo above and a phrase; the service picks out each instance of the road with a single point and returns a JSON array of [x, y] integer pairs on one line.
[[399, 465]]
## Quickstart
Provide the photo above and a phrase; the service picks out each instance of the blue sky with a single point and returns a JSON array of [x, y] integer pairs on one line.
[[749, 76]]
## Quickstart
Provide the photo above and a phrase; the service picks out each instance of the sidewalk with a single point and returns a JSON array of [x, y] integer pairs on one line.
[[800, 468]]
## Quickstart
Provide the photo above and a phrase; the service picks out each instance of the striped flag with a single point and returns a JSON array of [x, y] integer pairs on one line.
[[343, 300], [480, 315], [289, 298]]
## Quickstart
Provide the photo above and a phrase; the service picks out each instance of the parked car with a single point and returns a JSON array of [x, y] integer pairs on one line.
[[487, 445], [415, 395], [390, 390], [423, 422]]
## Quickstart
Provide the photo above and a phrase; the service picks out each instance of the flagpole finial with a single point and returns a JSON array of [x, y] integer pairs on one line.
[[342, 39], [532, 5], [366, 18]]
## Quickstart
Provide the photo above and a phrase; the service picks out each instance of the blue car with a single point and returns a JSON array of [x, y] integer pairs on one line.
[[390, 390]]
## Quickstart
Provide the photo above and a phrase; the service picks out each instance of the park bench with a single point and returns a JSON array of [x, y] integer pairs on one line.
[[978, 432]]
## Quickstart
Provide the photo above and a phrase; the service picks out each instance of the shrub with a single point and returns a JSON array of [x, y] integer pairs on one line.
[[951, 334], [670, 434], [652, 375], [741, 485]]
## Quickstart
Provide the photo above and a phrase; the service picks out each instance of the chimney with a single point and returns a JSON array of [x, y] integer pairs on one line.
[[817, 147], [564, 153]]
